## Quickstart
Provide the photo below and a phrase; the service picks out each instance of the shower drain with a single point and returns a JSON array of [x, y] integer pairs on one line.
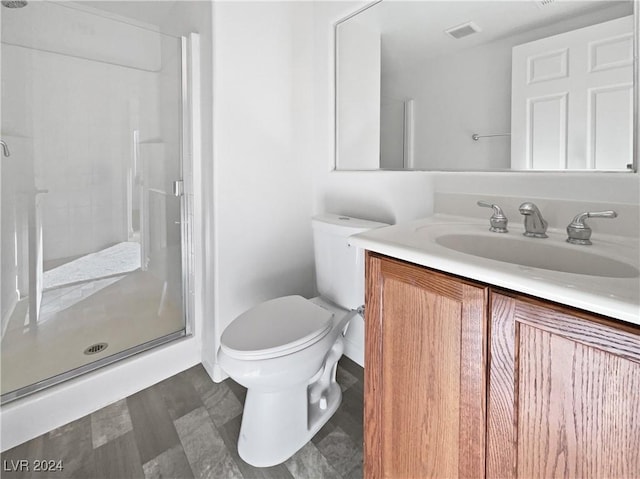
[[96, 348]]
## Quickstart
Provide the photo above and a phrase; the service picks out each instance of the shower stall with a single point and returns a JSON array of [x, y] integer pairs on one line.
[[95, 189]]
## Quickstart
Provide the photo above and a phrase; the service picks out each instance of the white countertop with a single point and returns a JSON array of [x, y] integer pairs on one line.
[[414, 241]]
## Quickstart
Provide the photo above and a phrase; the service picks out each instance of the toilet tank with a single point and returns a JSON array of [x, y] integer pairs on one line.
[[340, 267]]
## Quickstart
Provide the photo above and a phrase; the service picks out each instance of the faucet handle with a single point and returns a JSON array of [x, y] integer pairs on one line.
[[579, 231], [498, 220]]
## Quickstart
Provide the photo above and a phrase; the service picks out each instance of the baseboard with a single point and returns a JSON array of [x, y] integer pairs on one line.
[[214, 371]]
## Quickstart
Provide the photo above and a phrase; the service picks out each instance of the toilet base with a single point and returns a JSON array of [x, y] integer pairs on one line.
[[276, 424], [273, 428]]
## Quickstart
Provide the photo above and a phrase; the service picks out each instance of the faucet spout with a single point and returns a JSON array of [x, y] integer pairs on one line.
[[535, 226]]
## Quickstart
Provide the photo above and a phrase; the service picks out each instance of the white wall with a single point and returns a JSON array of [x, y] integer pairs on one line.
[[262, 180], [592, 187], [454, 97], [78, 109], [392, 132], [26, 418]]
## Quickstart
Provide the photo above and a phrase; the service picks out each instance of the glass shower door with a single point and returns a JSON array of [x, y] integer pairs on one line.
[[92, 233]]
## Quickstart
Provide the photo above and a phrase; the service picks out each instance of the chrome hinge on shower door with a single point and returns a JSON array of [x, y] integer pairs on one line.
[[178, 188]]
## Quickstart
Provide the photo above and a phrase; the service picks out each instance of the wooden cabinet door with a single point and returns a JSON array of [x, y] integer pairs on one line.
[[564, 393], [424, 373]]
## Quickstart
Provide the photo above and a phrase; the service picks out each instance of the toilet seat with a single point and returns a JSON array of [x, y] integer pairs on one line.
[[275, 328]]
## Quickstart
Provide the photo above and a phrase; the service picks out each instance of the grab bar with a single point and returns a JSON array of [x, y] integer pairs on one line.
[[476, 137]]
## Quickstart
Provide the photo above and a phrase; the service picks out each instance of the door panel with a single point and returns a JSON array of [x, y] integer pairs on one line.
[[424, 398], [568, 92], [611, 123], [561, 401], [548, 132]]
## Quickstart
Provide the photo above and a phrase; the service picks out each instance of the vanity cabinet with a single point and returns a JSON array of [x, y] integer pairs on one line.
[[424, 387], [467, 380], [564, 392]]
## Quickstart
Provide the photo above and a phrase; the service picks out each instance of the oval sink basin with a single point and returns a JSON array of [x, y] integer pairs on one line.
[[538, 254]]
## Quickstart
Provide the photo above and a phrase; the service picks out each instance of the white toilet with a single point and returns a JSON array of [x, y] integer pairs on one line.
[[285, 351]]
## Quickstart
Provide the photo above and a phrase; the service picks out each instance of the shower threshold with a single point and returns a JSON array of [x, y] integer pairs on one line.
[[93, 366]]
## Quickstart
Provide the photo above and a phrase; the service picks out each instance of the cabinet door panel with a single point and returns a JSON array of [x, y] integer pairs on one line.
[[564, 393], [421, 381], [424, 398]]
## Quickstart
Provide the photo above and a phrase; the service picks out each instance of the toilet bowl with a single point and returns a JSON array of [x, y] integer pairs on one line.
[[291, 389], [285, 350]]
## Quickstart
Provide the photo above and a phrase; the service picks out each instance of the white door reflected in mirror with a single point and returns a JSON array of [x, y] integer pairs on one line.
[[572, 99]]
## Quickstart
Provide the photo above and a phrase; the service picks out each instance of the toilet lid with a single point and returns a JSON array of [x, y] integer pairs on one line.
[[275, 328]]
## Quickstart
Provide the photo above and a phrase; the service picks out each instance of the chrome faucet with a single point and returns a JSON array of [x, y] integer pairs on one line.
[[498, 220], [578, 230], [535, 226]]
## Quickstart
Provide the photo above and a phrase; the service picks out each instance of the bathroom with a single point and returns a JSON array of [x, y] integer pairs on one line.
[[267, 74]]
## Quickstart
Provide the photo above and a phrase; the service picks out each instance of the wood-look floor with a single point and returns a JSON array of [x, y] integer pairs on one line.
[[187, 427]]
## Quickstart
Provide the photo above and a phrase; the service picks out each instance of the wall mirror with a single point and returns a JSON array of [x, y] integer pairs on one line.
[[486, 85]]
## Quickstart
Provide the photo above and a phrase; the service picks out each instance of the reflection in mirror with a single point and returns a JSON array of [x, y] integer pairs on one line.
[[486, 85]]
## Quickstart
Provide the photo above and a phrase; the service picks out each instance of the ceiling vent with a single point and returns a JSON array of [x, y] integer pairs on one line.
[[544, 3], [463, 30]]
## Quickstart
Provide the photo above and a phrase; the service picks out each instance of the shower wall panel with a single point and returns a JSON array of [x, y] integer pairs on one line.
[[80, 113]]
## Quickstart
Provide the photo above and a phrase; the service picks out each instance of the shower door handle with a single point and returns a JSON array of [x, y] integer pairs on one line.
[[178, 188]]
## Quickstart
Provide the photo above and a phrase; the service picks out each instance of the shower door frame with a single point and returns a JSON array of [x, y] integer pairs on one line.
[[189, 136]]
